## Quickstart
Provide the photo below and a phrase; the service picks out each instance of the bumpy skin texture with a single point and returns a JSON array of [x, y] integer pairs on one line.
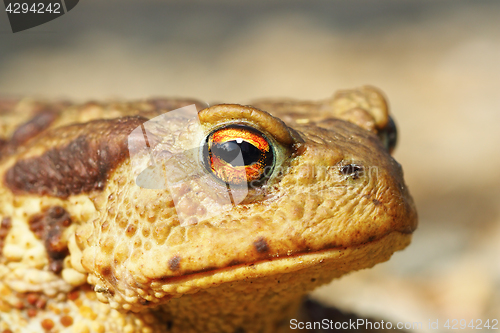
[[84, 249]]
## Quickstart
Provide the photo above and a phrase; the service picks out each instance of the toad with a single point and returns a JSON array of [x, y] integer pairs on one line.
[[279, 197]]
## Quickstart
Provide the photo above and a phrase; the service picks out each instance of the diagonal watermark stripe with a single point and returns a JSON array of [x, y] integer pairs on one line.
[[166, 153], [27, 14]]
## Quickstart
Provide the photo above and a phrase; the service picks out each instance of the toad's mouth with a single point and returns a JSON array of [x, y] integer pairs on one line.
[[340, 260]]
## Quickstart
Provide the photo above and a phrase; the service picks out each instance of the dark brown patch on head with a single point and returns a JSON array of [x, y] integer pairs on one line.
[[376, 202], [33, 127], [175, 263], [43, 115], [49, 226], [5, 226], [80, 160], [261, 245]]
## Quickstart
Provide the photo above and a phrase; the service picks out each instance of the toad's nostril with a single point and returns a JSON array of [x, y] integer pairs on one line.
[[352, 170]]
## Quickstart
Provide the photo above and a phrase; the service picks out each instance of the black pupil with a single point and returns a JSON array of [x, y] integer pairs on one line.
[[228, 151]]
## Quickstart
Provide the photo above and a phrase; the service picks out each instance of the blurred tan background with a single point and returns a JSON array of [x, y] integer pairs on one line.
[[438, 62]]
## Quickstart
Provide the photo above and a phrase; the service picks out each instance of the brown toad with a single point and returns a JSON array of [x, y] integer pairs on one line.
[[84, 248]]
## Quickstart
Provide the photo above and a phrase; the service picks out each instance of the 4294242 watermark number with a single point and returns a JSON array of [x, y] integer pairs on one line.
[[26, 14], [478, 324], [35, 8]]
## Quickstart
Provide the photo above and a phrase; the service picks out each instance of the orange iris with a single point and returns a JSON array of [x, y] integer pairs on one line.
[[238, 154]]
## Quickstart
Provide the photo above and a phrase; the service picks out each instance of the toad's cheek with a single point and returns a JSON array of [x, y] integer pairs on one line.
[[139, 255]]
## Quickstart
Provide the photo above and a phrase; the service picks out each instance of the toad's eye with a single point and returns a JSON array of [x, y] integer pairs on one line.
[[238, 155]]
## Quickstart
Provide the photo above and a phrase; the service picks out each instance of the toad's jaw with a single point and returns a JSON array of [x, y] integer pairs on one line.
[[379, 250], [267, 293]]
